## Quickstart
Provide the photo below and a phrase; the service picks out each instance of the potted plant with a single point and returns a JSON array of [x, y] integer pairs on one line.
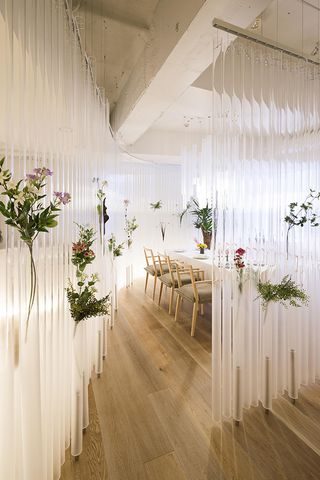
[[202, 219]]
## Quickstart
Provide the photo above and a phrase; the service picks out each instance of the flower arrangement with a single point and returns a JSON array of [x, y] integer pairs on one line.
[[201, 247], [101, 206], [130, 224], [82, 300], [299, 215], [82, 254], [116, 249], [239, 265], [24, 210], [287, 291]]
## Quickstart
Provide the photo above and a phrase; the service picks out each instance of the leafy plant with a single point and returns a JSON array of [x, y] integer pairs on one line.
[[82, 300], [130, 224], [286, 292], [301, 214], [83, 303], [116, 249], [202, 218], [25, 211], [157, 205]]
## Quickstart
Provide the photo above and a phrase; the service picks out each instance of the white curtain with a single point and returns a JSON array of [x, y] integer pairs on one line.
[[143, 183], [51, 115], [265, 156]]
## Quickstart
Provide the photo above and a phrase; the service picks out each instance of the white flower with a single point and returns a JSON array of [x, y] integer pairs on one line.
[[3, 176], [32, 189], [20, 198], [11, 185]]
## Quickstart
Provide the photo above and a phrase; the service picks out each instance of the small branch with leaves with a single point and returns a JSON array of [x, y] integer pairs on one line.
[[130, 224], [156, 206], [114, 248], [300, 215], [287, 292]]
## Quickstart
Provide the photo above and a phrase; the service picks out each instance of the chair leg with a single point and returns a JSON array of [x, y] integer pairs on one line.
[[178, 304], [146, 284], [171, 300], [154, 287], [201, 309], [160, 293], [194, 318]]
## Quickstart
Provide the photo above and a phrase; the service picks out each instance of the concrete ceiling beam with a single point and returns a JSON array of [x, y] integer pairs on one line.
[[178, 51]]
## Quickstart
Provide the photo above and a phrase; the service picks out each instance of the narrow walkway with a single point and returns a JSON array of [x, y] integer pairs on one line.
[[154, 407]]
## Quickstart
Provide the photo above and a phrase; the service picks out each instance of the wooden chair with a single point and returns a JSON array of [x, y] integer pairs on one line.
[[153, 268], [170, 279], [198, 291]]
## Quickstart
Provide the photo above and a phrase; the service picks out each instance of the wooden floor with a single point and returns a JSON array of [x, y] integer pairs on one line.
[[91, 464], [153, 402]]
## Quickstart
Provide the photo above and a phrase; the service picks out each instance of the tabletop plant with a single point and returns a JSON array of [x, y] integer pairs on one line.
[[201, 247], [287, 292], [24, 209], [130, 224], [114, 248], [202, 219], [82, 299], [300, 215]]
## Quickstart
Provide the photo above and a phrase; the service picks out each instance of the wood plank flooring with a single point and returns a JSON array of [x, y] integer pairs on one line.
[[154, 407], [91, 464]]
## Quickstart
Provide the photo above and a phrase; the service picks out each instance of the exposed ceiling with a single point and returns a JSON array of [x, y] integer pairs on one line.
[[153, 57], [191, 111], [114, 34], [293, 23]]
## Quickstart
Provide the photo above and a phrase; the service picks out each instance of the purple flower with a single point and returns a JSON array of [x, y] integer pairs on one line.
[[31, 176], [63, 198], [66, 198], [37, 171], [58, 195], [46, 172]]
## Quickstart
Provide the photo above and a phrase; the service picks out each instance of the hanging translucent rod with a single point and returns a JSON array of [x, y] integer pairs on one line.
[[240, 32]]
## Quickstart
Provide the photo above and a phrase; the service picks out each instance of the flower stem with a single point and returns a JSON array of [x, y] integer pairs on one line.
[[33, 284]]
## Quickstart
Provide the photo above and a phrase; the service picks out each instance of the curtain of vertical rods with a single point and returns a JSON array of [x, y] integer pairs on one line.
[[265, 156], [51, 116]]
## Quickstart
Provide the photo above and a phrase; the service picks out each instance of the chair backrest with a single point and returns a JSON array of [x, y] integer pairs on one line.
[[179, 269], [193, 283], [149, 256], [162, 259]]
